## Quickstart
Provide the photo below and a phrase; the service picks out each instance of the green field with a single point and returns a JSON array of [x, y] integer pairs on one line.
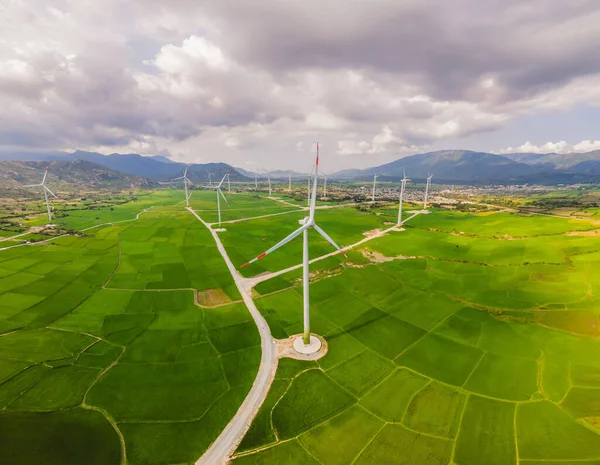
[[465, 339], [104, 351]]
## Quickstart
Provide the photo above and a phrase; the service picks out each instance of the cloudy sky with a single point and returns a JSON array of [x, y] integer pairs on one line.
[[255, 83]]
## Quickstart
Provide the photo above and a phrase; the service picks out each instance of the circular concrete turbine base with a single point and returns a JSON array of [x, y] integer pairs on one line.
[[312, 348]]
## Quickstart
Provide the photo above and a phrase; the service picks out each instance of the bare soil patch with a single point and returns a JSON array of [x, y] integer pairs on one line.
[[372, 232], [377, 257], [595, 232], [212, 298]]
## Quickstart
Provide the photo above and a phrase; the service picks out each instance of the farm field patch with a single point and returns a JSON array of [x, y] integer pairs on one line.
[[479, 375], [475, 339], [85, 362]]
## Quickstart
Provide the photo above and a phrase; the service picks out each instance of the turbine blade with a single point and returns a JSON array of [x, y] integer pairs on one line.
[[296, 233], [45, 174], [51, 192], [222, 181], [223, 195], [328, 239], [177, 179], [32, 185], [185, 172]]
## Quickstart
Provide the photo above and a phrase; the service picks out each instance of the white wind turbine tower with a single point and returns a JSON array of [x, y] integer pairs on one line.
[[228, 184], [46, 190], [255, 181], [427, 191], [374, 184], [220, 194], [306, 344], [324, 183], [269, 177], [209, 178], [402, 189], [185, 185]]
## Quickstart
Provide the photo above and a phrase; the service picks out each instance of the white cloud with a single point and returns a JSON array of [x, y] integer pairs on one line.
[[234, 81], [554, 147], [384, 141]]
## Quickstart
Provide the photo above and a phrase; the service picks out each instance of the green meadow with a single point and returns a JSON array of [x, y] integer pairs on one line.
[[464, 339], [107, 351]]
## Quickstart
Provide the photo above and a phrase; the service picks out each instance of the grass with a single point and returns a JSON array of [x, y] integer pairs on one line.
[[493, 338], [475, 341], [487, 433], [311, 398], [436, 409], [84, 436], [100, 337]]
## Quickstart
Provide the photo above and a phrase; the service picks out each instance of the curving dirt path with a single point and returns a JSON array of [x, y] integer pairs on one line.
[[223, 447]]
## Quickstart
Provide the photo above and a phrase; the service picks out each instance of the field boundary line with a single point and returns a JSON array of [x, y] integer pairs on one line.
[[307, 451], [483, 352], [458, 429], [412, 399], [515, 435], [369, 442]]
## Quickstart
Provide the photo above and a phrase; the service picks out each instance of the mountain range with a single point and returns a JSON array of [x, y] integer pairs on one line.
[[157, 168], [465, 166], [450, 166], [66, 174]]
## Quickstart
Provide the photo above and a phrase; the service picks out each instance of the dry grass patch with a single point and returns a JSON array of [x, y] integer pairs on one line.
[[212, 298]]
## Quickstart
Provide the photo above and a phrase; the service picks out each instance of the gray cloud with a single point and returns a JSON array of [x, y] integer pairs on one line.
[[228, 77]]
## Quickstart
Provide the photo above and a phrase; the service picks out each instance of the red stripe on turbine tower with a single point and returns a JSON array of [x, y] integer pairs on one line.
[[245, 264], [317, 153], [264, 254]]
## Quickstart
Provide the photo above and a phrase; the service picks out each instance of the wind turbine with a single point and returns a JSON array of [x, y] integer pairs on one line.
[[374, 184], [307, 223], [401, 198], [209, 178], [219, 195], [427, 191], [185, 185], [269, 177], [255, 181], [46, 190], [324, 183]]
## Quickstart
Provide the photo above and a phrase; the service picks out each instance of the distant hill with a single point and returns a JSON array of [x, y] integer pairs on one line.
[[286, 173], [558, 160], [162, 159], [158, 168], [450, 165], [465, 166], [62, 174]]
